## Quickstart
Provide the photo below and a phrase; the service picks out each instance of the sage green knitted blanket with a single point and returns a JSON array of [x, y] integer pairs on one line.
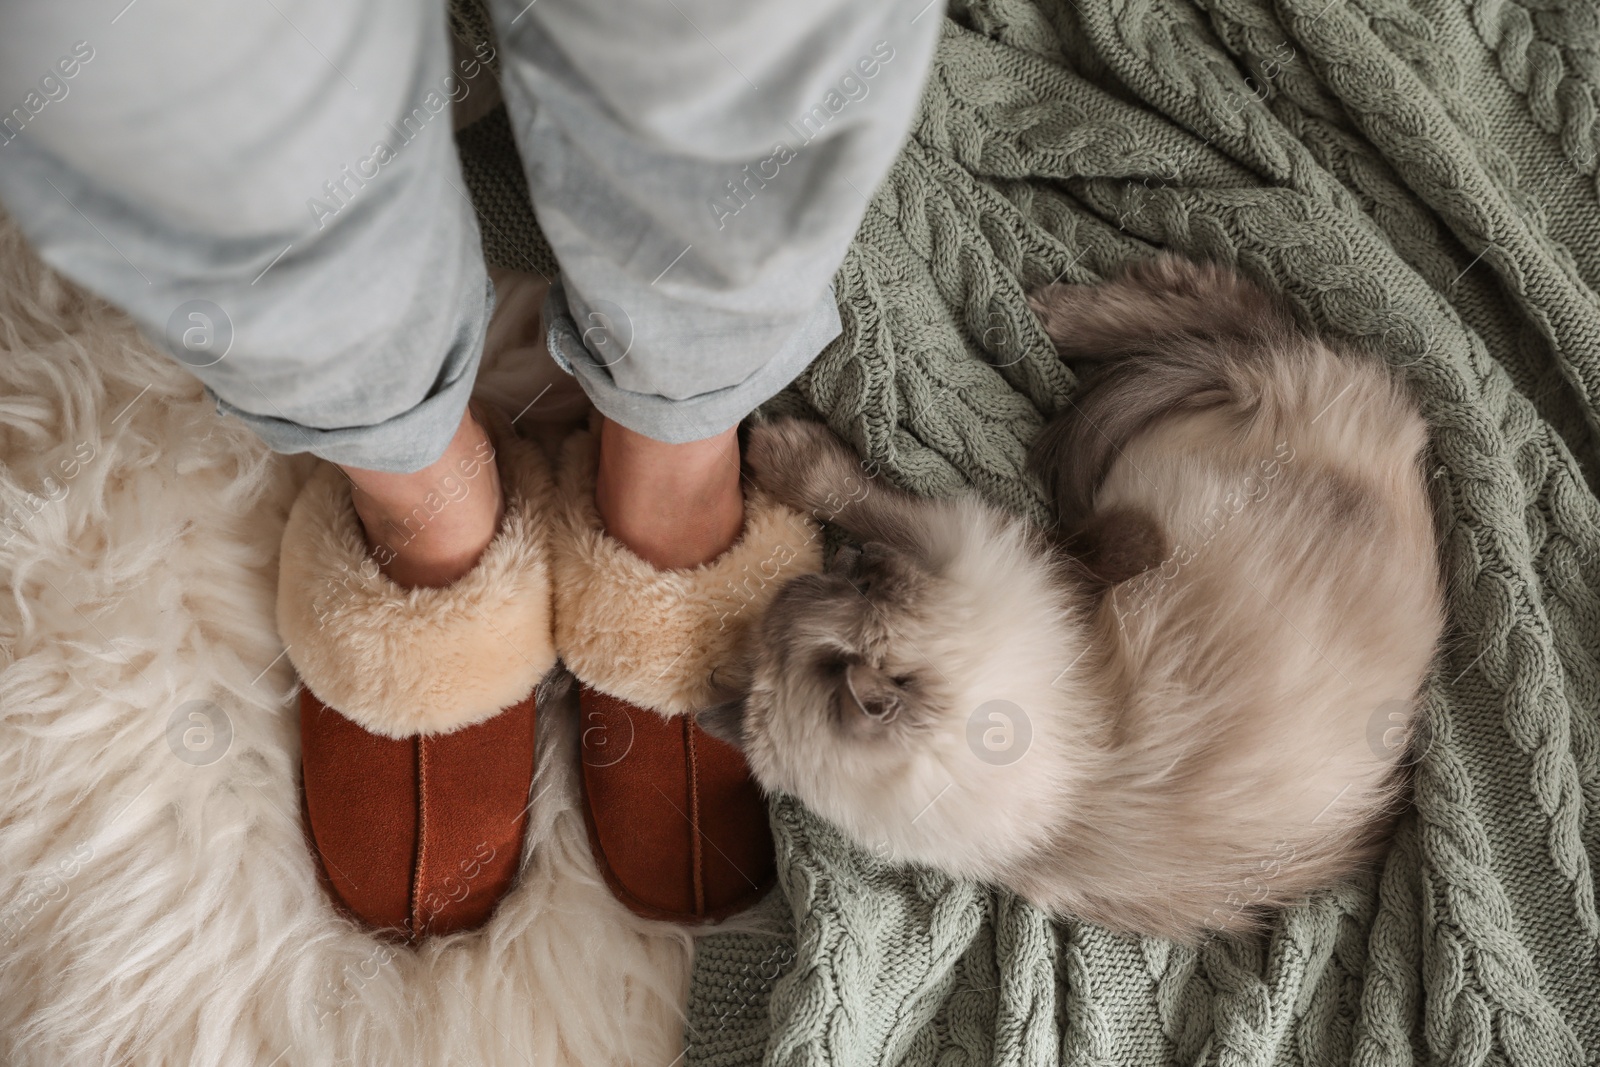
[[1418, 176]]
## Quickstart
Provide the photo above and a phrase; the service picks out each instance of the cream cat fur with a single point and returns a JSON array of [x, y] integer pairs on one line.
[[1161, 719]]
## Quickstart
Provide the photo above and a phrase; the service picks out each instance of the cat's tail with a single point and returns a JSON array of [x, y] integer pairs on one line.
[[1173, 335]]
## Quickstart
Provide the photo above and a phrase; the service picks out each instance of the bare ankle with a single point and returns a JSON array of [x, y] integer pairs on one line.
[[430, 527], [674, 506]]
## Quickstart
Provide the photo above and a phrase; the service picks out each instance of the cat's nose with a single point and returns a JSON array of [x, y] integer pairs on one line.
[[875, 555], [846, 559]]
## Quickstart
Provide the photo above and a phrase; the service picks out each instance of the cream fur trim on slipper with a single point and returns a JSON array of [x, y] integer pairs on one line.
[[398, 661], [652, 637]]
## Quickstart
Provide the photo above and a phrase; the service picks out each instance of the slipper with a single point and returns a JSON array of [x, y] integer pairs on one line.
[[678, 829], [417, 708]]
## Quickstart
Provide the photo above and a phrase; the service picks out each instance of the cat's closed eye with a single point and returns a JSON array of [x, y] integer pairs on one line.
[[872, 693]]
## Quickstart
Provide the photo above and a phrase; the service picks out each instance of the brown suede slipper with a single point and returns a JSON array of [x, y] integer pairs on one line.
[[678, 829], [417, 710]]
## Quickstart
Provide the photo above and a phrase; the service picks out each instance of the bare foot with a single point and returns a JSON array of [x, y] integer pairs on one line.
[[430, 527], [675, 506]]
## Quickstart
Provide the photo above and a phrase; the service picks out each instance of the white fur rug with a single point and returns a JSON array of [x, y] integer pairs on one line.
[[157, 900]]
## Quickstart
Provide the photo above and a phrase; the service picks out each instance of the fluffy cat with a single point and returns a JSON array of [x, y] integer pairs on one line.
[[1177, 711]]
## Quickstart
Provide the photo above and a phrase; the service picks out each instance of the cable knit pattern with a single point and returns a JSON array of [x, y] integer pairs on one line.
[[1418, 178]]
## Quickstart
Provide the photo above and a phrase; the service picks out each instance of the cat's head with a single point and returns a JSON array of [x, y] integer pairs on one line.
[[834, 649], [858, 698]]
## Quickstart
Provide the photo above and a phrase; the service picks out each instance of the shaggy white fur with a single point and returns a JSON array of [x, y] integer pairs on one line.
[[157, 901], [653, 637], [400, 661]]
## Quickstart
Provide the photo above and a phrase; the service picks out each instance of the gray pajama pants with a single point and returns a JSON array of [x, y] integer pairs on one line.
[[270, 188]]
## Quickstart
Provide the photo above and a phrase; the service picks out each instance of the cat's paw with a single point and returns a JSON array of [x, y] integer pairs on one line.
[[802, 464]]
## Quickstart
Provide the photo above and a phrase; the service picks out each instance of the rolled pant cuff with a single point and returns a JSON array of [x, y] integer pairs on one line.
[[403, 444], [694, 418]]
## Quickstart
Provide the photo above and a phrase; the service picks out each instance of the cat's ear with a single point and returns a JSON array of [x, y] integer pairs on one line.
[[724, 721], [870, 692]]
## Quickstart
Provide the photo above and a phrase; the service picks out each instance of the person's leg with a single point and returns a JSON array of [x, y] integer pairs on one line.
[[700, 169], [674, 505], [272, 191], [450, 543]]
